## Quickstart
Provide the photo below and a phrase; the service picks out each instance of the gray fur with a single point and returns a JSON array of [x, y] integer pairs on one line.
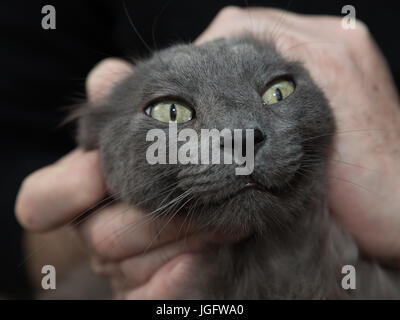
[[295, 248]]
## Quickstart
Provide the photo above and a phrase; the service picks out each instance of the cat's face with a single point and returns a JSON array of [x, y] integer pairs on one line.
[[225, 84]]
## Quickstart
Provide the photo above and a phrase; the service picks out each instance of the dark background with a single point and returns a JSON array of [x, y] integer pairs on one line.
[[43, 70]]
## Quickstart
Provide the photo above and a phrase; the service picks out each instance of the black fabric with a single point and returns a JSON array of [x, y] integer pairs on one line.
[[43, 70]]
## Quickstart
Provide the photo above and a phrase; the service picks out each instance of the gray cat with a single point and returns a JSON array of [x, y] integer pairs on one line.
[[294, 249]]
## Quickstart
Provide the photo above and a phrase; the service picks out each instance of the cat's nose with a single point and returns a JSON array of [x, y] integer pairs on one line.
[[259, 137]]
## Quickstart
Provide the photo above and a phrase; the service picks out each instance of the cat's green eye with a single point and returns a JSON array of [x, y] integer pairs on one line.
[[278, 91], [170, 112]]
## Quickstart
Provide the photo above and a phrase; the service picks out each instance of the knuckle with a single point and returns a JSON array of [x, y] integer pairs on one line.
[[361, 34], [229, 12], [80, 187], [287, 42], [103, 240], [331, 61], [103, 244], [102, 268], [84, 186], [23, 206], [140, 273], [362, 28]]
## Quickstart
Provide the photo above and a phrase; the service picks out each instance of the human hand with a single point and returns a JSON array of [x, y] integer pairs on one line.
[[350, 69]]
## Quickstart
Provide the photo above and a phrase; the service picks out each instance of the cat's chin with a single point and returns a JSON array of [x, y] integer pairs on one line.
[[246, 209], [237, 215], [248, 190]]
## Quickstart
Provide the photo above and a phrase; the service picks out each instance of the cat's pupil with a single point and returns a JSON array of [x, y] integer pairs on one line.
[[172, 112], [278, 94]]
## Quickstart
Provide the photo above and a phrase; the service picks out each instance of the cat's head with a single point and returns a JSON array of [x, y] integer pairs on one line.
[[224, 84]]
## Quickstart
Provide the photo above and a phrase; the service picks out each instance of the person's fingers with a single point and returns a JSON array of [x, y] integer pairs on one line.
[[234, 21], [104, 76], [139, 269], [223, 25], [54, 195], [119, 231], [169, 281]]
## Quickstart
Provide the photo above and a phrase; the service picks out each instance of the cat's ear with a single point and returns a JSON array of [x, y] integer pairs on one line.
[[91, 118], [99, 84], [104, 76]]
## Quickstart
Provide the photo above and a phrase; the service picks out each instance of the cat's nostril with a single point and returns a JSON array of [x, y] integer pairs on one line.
[[258, 136]]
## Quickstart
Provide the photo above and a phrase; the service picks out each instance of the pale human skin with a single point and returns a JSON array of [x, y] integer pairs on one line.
[[365, 166]]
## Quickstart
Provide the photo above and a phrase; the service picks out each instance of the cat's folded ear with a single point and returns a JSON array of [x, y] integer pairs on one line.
[[99, 84], [104, 76], [90, 119]]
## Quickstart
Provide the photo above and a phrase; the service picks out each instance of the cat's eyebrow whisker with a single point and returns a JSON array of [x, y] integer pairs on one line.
[[155, 21], [151, 51], [134, 27], [275, 32], [252, 27]]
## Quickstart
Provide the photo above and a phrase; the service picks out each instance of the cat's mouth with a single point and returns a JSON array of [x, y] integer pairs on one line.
[[241, 190], [252, 184], [218, 192]]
